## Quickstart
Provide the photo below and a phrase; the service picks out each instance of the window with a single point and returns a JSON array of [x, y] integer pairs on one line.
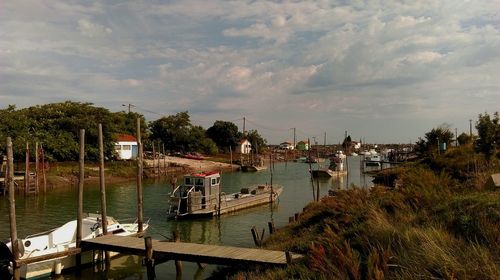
[[214, 181], [187, 181], [118, 147], [198, 182]]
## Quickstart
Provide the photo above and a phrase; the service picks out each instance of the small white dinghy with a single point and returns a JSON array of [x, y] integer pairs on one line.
[[59, 240]]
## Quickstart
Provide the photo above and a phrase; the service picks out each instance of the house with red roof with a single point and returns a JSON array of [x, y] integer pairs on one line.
[[244, 147], [126, 146]]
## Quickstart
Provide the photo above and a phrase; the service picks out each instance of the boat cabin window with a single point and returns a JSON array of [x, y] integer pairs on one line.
[[187, 181], [198, 182], [214, 181]]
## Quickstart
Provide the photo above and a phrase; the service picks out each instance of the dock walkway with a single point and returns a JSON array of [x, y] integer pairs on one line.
[[191, 252]]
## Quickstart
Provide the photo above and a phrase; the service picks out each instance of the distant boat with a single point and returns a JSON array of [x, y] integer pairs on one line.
[[194, 156], [63, 239], [252, 168], [372, 158], [200, 195]]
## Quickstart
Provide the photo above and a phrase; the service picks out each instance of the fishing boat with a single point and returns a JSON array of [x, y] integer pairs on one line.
[[60, 240], [200, 195], [335, 168], [372, 158]]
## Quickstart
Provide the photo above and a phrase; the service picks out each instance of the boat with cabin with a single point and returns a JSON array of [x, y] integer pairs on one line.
[[61, 240], [336, 167], [372, 158], [201, 195]]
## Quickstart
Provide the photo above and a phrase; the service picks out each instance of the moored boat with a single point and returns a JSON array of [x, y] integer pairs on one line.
[[201, 195], [60, 240], [336, 167]]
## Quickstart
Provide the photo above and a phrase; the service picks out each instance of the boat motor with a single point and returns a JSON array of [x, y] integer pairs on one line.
[[6, 257]]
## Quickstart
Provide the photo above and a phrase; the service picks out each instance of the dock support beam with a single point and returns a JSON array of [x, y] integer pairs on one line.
[[150, 262], [178, 264]]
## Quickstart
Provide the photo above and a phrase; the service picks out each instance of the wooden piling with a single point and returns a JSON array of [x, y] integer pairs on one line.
[[44, 179], [36, 167], [154, 159], [288, 256], [27, 170], [178, 264], [271, 226], [102, 188], [79, 214], [159, 173], [164, 159], [139, 179], [9, 181], [150, 265], [297, 216], [256, 238]]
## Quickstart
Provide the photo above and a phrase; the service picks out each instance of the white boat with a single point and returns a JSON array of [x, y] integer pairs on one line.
[[201, 195], [63, 239], [335, 168], [372, 158]]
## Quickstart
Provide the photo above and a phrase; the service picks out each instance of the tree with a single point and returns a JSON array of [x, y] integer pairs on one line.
[[173, 131], [464, 139], [429, 146], [258, 143], [57, 126], [224, 134], [488, 130]]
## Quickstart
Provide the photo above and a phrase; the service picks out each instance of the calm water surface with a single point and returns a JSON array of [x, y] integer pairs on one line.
[[44, 212]]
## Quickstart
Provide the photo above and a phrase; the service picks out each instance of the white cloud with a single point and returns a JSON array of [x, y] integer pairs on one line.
[[300, 63], [91, 29]]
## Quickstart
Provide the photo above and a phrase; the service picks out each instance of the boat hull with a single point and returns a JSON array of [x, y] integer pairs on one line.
[[229, 204]]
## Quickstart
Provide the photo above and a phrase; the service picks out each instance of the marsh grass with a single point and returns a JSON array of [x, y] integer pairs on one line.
[[439, 223]]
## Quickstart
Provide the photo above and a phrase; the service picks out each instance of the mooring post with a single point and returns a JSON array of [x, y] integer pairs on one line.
[[79, 214], [102, 188], [9, 182], [288, 257], [272, 229], [164, 159], [44, 179], [154, 158], [178, 264], [139, 179], [27, 170], [159, 162], [150, 262], [36, 167], [255, 236]]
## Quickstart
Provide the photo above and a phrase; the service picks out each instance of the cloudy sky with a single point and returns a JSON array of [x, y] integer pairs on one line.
[[385, 71]]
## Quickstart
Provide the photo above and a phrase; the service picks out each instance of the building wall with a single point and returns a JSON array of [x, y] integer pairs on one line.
[[126, 149]]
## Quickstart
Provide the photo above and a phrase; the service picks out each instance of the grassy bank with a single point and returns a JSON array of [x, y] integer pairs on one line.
[[439, 223]]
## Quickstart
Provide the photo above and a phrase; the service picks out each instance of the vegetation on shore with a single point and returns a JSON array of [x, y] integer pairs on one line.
[[438, 222]]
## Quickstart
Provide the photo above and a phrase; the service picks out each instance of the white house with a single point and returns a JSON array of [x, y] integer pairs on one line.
[[286, 146], [244, 147], [126, 146]]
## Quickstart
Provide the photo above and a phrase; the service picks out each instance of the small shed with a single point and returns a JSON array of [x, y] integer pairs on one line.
[[244, 147], [126, 146], [493, 182]]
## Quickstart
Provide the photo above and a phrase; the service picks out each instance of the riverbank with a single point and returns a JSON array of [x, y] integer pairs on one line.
[[60, 175]]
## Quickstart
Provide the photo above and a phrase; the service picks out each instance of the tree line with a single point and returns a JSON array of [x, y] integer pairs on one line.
[[56, 127], [486, 142]]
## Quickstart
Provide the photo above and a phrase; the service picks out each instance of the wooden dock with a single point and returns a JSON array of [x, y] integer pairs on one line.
[[191, 252]]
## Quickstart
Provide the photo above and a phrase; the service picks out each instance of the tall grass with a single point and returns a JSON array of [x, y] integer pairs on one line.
[[434, 226]]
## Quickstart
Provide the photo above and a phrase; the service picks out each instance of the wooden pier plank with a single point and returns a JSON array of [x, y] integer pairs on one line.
[[192, 252]]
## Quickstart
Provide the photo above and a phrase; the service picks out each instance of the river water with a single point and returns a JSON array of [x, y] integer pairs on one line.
[[44, 212]]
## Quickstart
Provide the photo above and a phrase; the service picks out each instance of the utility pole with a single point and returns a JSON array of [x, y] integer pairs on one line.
[[244, 120], [456, 137], [470, 128], [294, 138]]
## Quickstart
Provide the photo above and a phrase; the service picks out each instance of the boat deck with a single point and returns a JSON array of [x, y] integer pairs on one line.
[[192, 252]]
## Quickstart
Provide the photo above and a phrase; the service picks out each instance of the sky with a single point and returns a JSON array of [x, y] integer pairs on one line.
[[384, 71]]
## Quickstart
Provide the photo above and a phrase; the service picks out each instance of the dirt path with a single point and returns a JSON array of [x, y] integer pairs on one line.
[[193, 165]]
